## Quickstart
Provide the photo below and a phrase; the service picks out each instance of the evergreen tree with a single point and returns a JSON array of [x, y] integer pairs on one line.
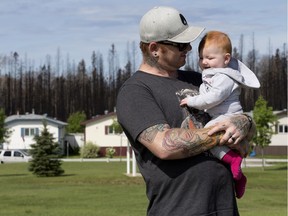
[[45, 154], [264, 120], [4, 132]]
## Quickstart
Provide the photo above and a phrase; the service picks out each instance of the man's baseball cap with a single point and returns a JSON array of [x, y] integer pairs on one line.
[[167, 24]]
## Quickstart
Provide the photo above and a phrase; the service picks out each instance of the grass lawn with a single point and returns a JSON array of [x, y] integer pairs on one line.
[[100, 188]]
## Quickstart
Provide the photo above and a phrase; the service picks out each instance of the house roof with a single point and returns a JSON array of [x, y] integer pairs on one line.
[[278, 113], [99, 118], [281, 113], [32, 117]]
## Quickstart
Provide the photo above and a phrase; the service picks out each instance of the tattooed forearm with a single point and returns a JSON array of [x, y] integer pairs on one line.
[[178, 142], [241, 123], [189, 142], [150, 133]]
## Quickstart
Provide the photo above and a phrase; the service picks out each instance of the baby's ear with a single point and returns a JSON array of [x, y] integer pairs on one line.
[[227, 58]]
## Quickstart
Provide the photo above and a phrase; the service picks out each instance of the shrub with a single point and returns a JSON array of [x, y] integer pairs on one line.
[[110, 152], [89, 150]]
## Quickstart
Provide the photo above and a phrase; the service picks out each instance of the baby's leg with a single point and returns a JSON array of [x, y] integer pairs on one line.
[[230, 157], [240, 186], [227, 155], [220, 151], [234, 160]]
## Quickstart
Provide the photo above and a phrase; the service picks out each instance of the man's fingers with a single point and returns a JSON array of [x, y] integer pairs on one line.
[[217, 128]]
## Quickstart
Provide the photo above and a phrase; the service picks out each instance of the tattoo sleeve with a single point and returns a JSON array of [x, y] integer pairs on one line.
[[190, 142], [184, 141], [242, 124], [150, 133]]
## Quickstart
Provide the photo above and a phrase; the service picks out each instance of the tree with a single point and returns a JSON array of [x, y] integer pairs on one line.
[[116, 127], [264, 120], [58, 91], [4, 132], [74, 122], [45, 154]]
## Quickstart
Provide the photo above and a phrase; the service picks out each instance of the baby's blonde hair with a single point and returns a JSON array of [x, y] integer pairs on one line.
[[218, 38]]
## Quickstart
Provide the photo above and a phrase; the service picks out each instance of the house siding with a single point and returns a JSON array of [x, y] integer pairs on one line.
[[272, 150], [279, 141], [17, 141], [17, 124], [96, 131], [97, 134]]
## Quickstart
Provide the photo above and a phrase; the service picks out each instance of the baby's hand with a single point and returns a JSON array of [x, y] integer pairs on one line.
[[183, 102]]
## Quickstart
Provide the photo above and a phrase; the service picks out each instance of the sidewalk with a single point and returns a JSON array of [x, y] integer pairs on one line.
[[257, 162], [247, 162], [103, 159]]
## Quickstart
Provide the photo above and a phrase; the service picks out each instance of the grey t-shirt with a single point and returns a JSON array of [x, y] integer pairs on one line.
[[199, 185]]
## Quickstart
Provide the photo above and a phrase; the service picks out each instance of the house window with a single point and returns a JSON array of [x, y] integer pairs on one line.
[[109, 130], [282, 128], [33, 131], [29, 131]]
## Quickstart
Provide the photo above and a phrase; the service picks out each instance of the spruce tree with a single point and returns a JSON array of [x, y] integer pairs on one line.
[[45, 153], [4, 132]]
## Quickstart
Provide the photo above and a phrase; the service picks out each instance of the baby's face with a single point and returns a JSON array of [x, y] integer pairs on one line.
[[212, 56]]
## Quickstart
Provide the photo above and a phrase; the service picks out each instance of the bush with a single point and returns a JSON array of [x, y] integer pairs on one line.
[[110, 152], [89, 150]]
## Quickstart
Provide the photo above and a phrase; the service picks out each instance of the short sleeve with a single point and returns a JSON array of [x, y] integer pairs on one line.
[[137, 109]]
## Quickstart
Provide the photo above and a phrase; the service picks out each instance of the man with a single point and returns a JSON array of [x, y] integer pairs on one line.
[[180, 176]]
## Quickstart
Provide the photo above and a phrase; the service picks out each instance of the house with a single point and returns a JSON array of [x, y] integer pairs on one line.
[[279, 140], [23, 128], [98, 130], [74, 140]]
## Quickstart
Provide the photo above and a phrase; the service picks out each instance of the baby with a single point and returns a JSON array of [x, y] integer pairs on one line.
[[219, 93]]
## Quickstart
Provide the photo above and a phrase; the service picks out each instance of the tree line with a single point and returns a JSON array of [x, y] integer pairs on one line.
[[60, 91]]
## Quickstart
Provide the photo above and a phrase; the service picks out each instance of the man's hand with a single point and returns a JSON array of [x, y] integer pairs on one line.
[[239, 131]]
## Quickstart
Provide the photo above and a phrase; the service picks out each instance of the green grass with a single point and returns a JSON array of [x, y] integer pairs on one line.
[[91, 188], [266, 193], [100, 188]]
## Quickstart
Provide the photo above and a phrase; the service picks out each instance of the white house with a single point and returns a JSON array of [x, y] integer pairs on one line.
[[23, 128], [75, 140], [279, 140], [98, 130]]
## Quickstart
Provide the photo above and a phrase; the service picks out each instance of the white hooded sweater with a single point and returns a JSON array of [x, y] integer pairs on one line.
[[221, 88]]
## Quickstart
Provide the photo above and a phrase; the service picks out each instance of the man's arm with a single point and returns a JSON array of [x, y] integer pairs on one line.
[[177, 143]]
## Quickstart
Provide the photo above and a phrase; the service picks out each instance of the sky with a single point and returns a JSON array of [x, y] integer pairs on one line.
[[76, 28]]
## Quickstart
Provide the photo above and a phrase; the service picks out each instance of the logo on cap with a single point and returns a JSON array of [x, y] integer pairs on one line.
[[183, 19]]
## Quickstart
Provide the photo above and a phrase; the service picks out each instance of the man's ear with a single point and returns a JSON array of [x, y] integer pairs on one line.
[[227, 58], [153, 48]]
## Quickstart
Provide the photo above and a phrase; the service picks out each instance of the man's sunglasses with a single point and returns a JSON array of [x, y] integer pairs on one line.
[[180, 46]]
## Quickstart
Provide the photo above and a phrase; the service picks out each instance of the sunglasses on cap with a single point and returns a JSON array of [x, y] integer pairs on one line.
[[181, 46]]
